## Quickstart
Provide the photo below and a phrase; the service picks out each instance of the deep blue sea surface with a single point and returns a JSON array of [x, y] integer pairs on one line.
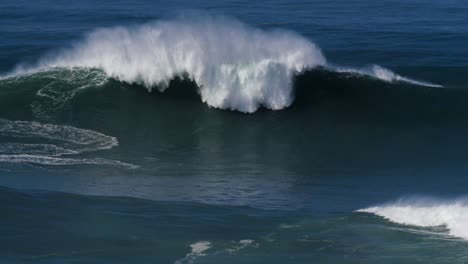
[[234, 131]]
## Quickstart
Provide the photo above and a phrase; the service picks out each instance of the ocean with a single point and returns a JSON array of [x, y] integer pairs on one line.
[[325, 131]]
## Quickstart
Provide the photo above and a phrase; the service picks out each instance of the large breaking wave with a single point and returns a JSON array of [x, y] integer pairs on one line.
[[235, 66]]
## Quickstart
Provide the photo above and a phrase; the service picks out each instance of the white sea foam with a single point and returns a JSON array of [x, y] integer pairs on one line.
[[427, 213], [288, 226], [197, 250], [35, 149], [237, 67], [58, 161], [244, 243]]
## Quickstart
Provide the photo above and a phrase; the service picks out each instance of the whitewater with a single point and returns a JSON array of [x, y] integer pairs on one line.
[[426, 212], [235, 66]]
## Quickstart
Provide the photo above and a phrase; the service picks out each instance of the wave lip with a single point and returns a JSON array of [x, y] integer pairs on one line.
[[427, 213]]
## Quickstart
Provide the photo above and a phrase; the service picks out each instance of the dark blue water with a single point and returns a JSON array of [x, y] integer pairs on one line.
[[233, 131]]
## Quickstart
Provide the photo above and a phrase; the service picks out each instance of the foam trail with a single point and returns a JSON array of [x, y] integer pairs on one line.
[[383, 74], [236, 67], [81, 140], [55, 161], [61, 141], [35, 149], [427, 213]]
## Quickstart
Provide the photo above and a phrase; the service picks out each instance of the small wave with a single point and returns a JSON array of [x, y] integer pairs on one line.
[[427, 213], [235, 66]]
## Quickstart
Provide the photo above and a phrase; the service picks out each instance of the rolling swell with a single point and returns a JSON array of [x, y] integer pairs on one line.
[[235, 66]]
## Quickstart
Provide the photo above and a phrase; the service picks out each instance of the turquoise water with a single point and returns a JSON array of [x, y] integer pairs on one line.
[[233, 132]]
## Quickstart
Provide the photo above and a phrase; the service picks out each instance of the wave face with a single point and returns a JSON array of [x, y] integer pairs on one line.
[[427, 213], [235, 66]]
